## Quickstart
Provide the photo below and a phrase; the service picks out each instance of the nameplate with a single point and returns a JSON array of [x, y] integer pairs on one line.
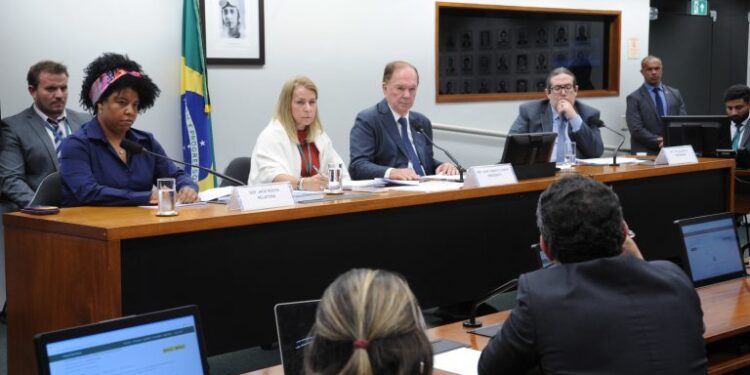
[[490, 175], [261, 197], [676, 155]]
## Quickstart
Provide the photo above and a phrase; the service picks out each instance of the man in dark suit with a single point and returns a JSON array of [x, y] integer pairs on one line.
[[647, 105], [384, 143], [737, 103], [601, 309], [562, 114], [28, 139]]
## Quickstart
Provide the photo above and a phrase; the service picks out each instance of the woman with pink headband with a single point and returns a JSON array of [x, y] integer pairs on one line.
[[95, 169]]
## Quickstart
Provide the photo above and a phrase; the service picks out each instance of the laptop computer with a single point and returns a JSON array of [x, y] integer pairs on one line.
[[294, 321], [711, 249], [162, 342]]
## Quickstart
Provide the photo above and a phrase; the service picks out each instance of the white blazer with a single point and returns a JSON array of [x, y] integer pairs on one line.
[[275, 154]]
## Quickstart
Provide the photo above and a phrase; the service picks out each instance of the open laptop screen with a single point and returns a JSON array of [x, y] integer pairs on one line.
[[294, 321], [711, 249], [165, 342]]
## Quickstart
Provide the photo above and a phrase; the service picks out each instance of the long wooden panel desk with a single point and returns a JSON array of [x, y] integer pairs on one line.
[[726, 315], [92, 263]]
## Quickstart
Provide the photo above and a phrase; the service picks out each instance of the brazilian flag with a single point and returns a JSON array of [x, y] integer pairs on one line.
[[197, 138]]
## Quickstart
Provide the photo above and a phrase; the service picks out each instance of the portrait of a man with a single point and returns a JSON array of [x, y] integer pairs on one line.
[[232, 25]]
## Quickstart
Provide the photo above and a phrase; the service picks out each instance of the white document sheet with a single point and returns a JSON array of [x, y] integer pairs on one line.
[[459, 361]]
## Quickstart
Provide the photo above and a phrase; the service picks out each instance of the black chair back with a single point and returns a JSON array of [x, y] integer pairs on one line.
[[49, 191], [238, 168]]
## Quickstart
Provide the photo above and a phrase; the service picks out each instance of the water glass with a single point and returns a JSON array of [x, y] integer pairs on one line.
[[570, 154], [335, 176], [166, 191]]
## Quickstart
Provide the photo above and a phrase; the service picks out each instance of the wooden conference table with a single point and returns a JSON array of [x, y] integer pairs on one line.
[[726, 315], [88, 264]]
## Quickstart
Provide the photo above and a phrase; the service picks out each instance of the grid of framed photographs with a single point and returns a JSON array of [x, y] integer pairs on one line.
[[506, 53]]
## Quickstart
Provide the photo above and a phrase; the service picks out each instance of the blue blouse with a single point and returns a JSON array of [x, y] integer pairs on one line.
[[92, 173]]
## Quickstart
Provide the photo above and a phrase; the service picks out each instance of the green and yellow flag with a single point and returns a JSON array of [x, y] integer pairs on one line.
[[197, 137]]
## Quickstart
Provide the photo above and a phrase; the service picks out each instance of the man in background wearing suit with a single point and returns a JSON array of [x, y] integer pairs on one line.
[[601, 309], [562, 114], [737, 102], [647, 105], [28, 139], [383, 142]]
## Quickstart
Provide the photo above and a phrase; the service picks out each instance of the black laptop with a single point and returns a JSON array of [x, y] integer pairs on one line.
[[294, 321], [711, 249], [163, 342]]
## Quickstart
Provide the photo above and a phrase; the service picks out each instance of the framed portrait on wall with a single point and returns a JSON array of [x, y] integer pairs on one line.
[[233, 32]]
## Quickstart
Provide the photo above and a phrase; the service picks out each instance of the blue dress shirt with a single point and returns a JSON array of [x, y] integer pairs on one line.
[[93, 174]]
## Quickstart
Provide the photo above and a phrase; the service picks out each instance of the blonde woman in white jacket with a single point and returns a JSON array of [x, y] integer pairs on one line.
[[293, 147]]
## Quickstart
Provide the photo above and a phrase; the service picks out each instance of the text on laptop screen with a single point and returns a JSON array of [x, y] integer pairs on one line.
[[166, 347], [712, 248]]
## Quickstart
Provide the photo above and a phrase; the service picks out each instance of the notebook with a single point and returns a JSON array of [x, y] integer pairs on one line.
[[163, 342], [711, 249]]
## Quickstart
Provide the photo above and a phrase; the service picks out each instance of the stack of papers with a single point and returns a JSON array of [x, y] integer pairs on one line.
[[305, 195]]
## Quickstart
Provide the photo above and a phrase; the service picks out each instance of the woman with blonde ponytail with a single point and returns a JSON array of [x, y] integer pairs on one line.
[[369, 323]]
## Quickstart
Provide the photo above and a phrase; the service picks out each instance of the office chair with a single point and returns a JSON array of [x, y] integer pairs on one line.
[[48, 192], [238, 168]]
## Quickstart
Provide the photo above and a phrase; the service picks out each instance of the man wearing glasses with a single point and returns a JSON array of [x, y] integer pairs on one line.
[[562, 114]]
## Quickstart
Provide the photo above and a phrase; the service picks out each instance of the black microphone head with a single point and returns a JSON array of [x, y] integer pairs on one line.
[[131, 146], [416, 127], [596, 122]]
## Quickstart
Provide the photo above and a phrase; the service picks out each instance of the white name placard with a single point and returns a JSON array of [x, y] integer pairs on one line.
[[490, 175], [676, 155], [247, 198]]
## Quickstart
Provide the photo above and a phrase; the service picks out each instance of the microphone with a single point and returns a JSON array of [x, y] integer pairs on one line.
[[472, 322], [461, 170], [136, 148], [600, 124]]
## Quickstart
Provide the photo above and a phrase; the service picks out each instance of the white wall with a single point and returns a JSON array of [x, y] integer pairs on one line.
[[341, 44]]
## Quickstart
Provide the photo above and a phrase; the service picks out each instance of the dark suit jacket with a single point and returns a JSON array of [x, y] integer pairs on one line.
[[615, 315], [375, 143], [536, 117], [27, 155], [644, 122]]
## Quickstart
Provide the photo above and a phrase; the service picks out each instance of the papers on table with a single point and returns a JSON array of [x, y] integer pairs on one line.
[[441, 177], [179, 205], [305, 195], [608, 161], [215, 193], [459, 361], [362, 184], [429, 186]]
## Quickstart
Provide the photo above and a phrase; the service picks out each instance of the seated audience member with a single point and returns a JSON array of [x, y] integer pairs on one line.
[[294, 147], [737, 104], [369, 322], [30, 140], [602, 309], [563, 114], [382, 142], [95, 169]]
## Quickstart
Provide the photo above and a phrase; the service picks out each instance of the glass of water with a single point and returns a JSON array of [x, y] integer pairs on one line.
[[570, 154], [166, 190], [335, 175]]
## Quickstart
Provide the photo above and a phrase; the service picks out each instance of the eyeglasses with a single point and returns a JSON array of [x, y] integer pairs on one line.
[[559, 89]]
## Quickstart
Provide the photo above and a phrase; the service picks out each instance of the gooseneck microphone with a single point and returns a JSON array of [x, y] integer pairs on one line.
[[461, 170], [472, 322], [136, 148], [600, 124]]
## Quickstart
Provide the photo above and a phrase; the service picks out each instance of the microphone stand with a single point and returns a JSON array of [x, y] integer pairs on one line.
[[136, 148], [461, 169], [600, 124], [472, 322]]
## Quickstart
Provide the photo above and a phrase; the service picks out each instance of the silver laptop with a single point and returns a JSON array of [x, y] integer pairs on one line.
[[711, 249]]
